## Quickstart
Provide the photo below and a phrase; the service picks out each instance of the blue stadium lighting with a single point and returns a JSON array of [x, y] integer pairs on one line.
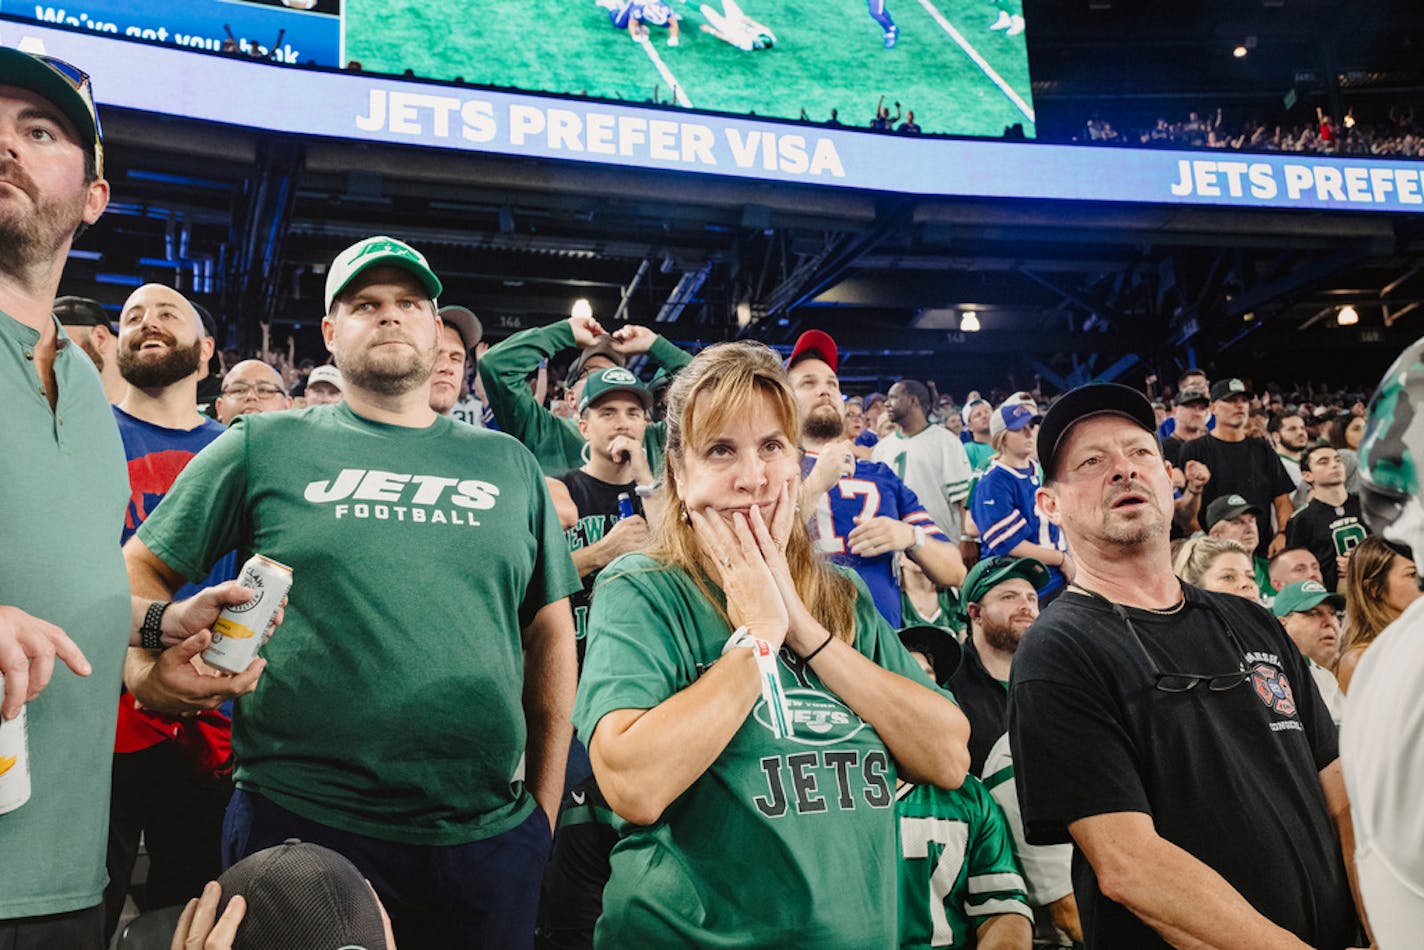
[[123, 280]]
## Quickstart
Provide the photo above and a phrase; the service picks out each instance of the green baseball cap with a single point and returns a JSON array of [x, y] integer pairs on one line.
[[376, 252], [613, 379], [937, 643], [1305, 595], [65, 85], [993, 571]]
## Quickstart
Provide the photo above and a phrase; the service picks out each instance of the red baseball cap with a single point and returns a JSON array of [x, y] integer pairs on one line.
[[817, 343]]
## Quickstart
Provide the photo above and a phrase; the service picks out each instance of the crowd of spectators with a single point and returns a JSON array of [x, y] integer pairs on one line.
[[1397, 135], [661, 648]]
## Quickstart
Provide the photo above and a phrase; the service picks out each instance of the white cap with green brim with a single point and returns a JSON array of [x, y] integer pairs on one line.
[[378, 251]]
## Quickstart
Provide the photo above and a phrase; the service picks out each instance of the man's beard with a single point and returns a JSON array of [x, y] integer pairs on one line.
[[32, 239], [824, 424], [1134, 534], [179, 362], [387, 374], [1002, 637]]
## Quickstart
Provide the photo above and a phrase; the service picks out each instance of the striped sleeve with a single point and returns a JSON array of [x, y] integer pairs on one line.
[[995, 884], [958, 473], [914, 513], [1002, 523]]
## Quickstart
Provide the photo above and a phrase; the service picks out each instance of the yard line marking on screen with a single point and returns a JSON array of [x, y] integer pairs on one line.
[[979, 61], [666, 73]]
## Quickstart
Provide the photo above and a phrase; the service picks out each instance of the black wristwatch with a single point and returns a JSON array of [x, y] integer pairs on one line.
[[150, 633]]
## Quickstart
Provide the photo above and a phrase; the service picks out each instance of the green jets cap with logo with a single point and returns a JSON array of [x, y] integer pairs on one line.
[[378, 251], [1391, 451], [989, 573], [1305, 595], [614, 379]]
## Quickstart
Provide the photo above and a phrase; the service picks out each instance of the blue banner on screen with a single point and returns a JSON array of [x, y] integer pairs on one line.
[[310, 30], [335, 104]]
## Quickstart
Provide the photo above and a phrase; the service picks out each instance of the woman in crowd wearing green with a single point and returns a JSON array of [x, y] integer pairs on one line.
[[747, 710]]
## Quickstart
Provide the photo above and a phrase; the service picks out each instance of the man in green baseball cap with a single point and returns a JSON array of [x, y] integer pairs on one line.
[[378, 251], [614, 410], [1000, 598], [1311, 615]]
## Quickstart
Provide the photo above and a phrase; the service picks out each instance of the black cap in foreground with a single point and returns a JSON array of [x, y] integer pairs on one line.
[[303, 897], [1094, 399]]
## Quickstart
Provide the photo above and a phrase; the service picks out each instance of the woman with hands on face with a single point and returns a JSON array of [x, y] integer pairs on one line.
[[747, 709]]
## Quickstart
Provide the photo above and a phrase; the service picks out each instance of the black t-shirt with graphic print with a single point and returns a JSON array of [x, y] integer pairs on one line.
[[1231, 777], [1329, 531]]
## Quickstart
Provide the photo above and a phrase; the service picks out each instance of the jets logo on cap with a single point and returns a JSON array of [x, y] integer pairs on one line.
[[387, 247], [1237, 386], [1236, 500], [1313, 587], [619, 376]]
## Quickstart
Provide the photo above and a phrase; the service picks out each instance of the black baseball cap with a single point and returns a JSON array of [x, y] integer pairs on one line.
[[1094, 399], [81, 312], [1225, 507], [1229, 389], [303, 897], [937, 643], [1191, 395]]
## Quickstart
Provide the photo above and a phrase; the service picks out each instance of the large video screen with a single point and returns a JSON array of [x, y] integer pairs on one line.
[[957, 67], [160, 76], [951, 66], [283, 31]]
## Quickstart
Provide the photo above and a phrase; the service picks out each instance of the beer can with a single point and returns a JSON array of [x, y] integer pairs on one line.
[[238, 632], [14, 761], [625, 506]]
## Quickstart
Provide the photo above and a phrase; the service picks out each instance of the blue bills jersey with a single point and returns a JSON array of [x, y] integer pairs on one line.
[[874, 490]]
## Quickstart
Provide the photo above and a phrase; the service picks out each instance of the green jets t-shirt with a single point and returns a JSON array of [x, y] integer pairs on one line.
[[390, 706], [957, 865], [781, 842]]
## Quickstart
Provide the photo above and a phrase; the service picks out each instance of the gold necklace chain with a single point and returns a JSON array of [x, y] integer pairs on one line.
[[1163, 612]]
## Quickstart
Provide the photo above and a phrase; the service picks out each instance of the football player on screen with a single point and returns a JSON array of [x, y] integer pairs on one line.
[[732, 25], [881, 14], [636, 16]]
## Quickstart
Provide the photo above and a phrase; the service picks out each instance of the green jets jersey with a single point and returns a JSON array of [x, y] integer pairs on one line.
[[555, 442], [391, 705], [957, 865], [781, 843]]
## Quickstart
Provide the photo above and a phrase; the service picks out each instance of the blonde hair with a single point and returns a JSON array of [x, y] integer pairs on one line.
[[725, 382], [1197, 555], [1366, 612]]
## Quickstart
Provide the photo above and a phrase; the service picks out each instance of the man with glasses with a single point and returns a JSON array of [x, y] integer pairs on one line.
[[556, 442], [1174, 735], [64, 595], [251, 386]]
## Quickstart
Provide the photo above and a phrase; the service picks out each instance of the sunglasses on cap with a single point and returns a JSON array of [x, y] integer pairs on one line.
[[80, 82]]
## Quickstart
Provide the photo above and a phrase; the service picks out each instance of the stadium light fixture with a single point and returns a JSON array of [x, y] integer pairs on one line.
[[1239, 52], [744, 314], [1348, 316], [581, 308], [969, 322]]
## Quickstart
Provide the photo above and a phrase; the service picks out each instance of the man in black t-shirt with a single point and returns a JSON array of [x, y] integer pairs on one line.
[[1173, 735], [1000, 596], [1329, 525], [613, 414], [1242, 466]]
